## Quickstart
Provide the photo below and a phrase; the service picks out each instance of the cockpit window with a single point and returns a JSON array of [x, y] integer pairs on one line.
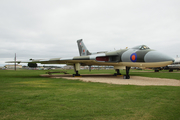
[[141, 47]]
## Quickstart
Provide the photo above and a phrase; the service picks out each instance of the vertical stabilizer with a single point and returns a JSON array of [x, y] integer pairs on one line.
[[83, 51]]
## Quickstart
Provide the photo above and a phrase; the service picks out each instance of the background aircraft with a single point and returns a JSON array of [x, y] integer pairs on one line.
[[139, 56], [174, 66]]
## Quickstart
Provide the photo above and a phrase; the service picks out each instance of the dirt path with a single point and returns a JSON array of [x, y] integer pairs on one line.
[[134, 80]]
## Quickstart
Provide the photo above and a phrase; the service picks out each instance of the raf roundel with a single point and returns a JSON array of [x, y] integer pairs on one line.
[[133, 57]]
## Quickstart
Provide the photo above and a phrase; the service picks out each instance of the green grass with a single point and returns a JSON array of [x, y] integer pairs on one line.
[[26, 95], [144, 73], [160, 74]]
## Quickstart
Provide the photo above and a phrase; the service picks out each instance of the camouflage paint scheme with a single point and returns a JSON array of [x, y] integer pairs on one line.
[[139, 56]]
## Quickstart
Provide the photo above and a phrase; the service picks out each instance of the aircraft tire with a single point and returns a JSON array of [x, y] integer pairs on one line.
[[126, 77]]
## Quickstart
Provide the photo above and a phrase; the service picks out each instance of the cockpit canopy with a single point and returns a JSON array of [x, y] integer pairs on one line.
[[141, 47]]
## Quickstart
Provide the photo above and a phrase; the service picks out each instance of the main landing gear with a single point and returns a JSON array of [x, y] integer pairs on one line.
[[118, 72], [127, 73], [76, 68], [77, 74], [124, 76]]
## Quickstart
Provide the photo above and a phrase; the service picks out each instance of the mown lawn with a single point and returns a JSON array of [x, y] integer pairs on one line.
[[26, 95]]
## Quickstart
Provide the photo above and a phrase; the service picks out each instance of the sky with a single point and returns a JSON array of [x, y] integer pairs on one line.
[[43, 29]]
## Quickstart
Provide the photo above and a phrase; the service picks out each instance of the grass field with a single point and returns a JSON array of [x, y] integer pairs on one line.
[[26, 95]]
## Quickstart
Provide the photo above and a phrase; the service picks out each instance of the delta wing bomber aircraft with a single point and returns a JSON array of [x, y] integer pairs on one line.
[[139, 56]]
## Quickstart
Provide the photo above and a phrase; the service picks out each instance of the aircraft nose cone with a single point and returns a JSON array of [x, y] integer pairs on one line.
[[154, 56]]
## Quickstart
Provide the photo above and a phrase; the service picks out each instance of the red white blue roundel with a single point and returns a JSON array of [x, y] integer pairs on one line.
[[133, 57]]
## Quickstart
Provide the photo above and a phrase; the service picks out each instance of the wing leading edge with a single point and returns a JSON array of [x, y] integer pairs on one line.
[[97, 59]]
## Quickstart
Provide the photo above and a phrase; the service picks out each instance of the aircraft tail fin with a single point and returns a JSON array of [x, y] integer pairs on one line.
[[83, 51]]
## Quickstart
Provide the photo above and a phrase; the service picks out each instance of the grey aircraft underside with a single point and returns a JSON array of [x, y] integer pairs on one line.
[[139, 56]]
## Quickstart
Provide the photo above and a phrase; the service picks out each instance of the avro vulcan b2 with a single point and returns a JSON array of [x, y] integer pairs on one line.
[[139, 56]]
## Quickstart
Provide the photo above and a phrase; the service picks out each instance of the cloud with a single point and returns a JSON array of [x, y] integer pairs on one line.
[[48, 29]]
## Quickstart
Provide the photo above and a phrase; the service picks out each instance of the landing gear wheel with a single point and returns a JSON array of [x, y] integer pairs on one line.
[[77, 74], [156, 70], [118, 72], [126, 76]]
